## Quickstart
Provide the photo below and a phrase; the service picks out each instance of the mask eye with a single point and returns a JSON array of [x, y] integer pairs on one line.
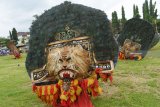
[[60, 60], [68, 59]]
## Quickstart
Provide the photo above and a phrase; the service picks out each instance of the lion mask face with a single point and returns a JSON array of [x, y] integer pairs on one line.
[[129, 46], [68, 62]]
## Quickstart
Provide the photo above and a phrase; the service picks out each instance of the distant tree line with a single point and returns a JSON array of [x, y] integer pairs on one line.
[[3, 42], [149, 12], [13, 35], [136, 12]]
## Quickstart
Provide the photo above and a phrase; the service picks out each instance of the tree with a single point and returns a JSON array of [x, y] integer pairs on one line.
[[149, 11], [3, 42], [123, 17], [10, 34], [14, 35], [115, 23], [136, 12], [145, 10]]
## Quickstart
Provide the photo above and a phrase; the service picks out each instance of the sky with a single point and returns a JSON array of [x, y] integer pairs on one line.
[[19, 13]]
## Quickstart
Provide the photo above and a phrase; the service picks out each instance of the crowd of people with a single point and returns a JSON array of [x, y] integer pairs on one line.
[[4, 52]]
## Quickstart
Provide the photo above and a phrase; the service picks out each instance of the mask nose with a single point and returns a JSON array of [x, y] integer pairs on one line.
[[64, 64], [64, 67]]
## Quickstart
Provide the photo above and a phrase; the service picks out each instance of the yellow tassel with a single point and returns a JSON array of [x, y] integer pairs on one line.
[[43, 90], [63, 97], [72, 91], [55, 89], [100, 90], [93, 76], [73, 98], [78, 91], [89, 90], [90, 82], [60, 82], [48, 90], [96, 89], [75, 82]]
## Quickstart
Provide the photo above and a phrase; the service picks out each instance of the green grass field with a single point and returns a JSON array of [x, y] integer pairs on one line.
[[136, 84]]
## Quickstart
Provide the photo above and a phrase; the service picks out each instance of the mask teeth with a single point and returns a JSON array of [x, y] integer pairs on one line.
[[65, 73]]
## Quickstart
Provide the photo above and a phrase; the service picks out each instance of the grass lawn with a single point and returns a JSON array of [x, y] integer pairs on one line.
[[136, 84]]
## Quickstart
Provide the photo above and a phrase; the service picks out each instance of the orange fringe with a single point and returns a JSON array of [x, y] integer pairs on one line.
[[51, 93]]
